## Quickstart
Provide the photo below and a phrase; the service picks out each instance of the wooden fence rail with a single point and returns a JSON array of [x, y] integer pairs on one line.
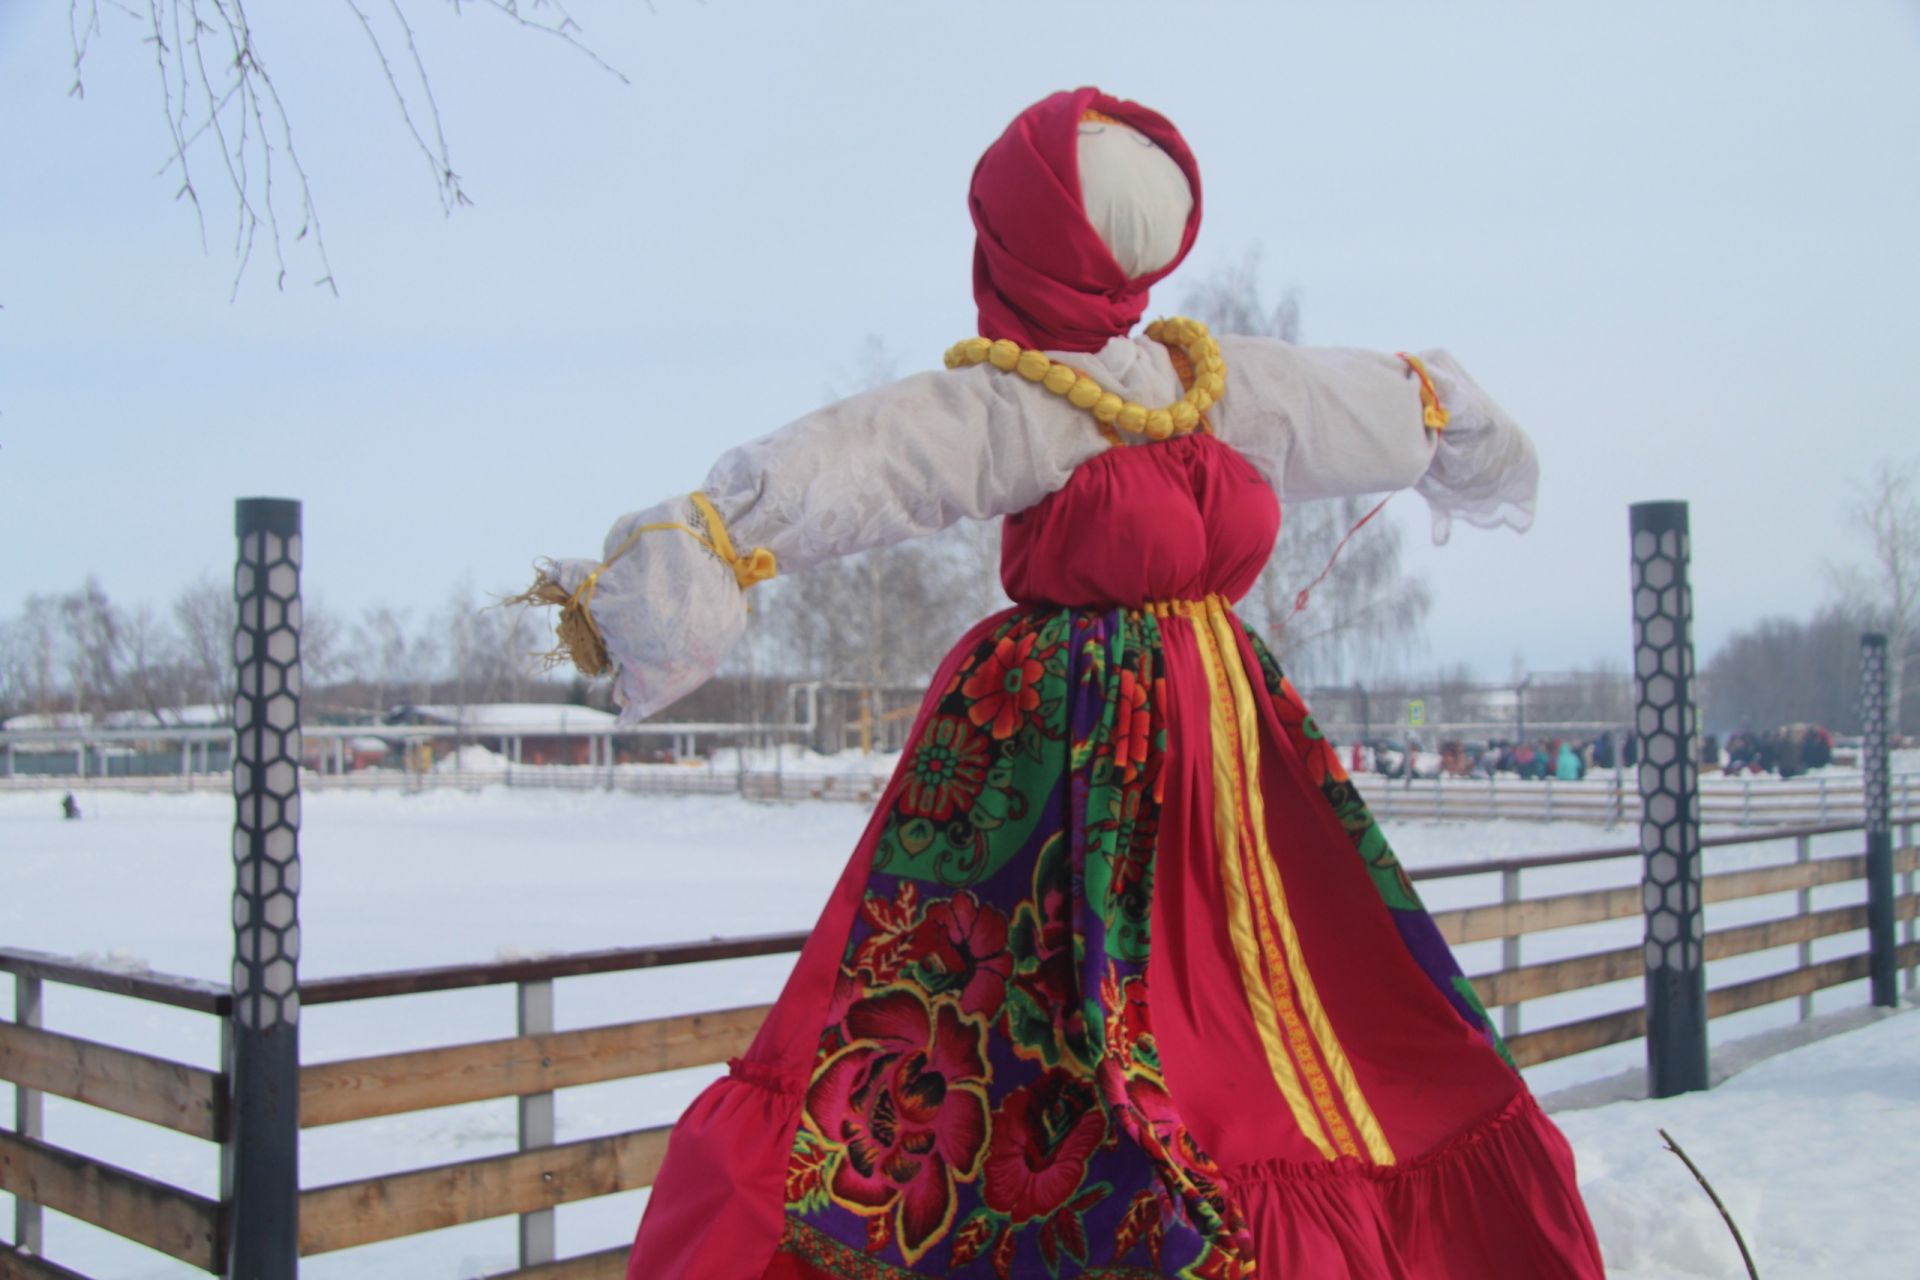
[[534, 1065]]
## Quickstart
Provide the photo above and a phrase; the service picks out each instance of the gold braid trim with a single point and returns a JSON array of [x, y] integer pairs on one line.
[[579, 636], [1107, 407], [1433, 414]]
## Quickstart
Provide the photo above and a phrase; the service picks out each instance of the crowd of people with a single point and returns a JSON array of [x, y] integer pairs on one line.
[[1788, 751]]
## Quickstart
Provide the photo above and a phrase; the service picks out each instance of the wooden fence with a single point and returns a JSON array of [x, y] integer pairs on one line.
[[538, 1061], [1606, 800]]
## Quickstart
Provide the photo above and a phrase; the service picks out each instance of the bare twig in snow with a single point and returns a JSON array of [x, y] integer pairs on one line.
[[1753, 1272]]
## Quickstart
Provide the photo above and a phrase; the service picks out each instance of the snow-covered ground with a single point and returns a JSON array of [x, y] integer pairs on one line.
[[441, 877]]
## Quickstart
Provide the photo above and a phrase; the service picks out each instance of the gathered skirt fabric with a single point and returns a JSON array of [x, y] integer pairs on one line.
[[1122, 981]]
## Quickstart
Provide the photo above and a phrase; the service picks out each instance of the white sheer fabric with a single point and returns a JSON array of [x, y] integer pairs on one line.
[[1484, 469], [912, 457], [1326, 422]]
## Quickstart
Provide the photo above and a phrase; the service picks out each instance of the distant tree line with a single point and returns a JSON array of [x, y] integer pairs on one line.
[[1787, 670], [80, 652]]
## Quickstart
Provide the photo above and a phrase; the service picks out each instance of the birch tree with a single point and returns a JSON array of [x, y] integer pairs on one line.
[[1367, 614], [1886, 592]]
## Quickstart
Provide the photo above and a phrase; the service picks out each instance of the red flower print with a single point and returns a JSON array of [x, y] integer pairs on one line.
[[1043, 1135], [963, 945], [904, 1106], [949, 767], [1132, 726], [1006, 687]]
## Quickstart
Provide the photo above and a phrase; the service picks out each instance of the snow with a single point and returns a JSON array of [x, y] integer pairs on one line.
[[471, 759], [442, 876], [199, 715], [1813, 1153], [518, 717], [793, 758]]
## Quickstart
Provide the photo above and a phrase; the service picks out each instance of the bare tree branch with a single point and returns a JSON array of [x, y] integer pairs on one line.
[[217, 92]]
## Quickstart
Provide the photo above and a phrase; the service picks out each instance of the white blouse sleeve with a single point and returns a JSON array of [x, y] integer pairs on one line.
[[1324, 422], [887, 465]]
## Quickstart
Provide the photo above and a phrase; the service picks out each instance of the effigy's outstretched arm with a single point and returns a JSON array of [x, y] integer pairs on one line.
[[1325, 422], [665, 602]]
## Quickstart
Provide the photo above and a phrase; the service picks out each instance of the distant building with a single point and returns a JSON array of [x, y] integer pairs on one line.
[[526, 732]]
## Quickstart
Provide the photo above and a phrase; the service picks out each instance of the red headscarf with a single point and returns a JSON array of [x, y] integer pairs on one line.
[[1041, 274]]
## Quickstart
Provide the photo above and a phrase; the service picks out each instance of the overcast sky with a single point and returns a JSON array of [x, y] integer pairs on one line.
[[1677, 242]]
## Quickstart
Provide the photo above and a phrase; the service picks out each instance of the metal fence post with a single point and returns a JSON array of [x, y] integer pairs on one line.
[[1906, 842], [1803, 852], [1881, 943], [1510, 953], [261, 1165], [535, 1002], [1669, 799], [29, 1117]]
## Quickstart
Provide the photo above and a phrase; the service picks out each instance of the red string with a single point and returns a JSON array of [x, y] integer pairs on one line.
[[1300, 601]]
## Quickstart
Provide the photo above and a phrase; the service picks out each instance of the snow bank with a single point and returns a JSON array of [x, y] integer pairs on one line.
[[1815, 1153]]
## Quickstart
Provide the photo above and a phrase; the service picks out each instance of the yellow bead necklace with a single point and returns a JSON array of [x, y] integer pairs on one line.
[[1107, 407]]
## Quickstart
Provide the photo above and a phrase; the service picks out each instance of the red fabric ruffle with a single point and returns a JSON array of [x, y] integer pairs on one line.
[[1449, 1213]]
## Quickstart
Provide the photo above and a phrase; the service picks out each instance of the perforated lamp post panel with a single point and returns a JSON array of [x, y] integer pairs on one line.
[[1874, 695], [260, 1175], [1669, 799]]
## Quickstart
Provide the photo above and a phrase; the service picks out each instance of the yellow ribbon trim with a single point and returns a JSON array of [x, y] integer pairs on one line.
[[1246, 924], [1294, 1028], [1433, 414], [1267, 870]]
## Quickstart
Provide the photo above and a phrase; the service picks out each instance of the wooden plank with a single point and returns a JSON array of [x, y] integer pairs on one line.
[[1727, 886], [15, 1265], [405, 1204], [184, 1098], [1577, 1037], [1785, 986], [175, 1222], [1787, 930], [455, 977], [357, 1088], [160, 988], [1799, 982], [1534, 915], [607, 1264], [1450, 870], [1530, 982]]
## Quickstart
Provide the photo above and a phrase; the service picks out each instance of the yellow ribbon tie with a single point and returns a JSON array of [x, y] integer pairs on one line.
[[579, 636], [758, 565], [1433, 414]]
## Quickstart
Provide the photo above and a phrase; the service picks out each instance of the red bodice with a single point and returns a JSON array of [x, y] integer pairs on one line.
[[1178, 520]]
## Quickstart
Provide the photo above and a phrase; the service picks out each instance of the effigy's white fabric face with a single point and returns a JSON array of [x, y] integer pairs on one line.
[[1134, 195]]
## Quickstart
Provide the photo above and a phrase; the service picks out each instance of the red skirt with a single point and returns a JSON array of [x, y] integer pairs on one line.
[[1121, 981]]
